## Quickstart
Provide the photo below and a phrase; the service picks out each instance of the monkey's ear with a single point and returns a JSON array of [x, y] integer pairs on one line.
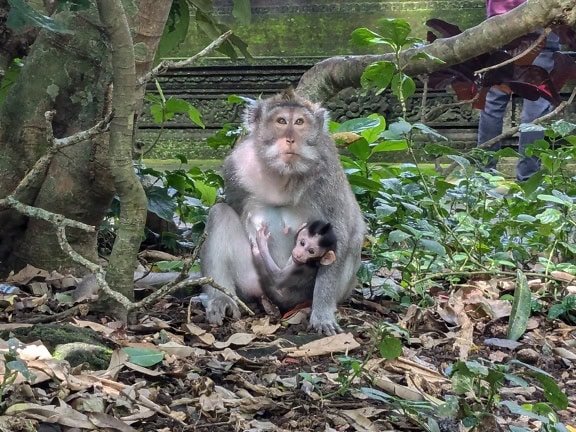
[[252, 114], [322, 117], [328, 258]]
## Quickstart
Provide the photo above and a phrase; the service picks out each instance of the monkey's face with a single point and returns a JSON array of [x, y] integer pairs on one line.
[[307, 248], [289, 136]]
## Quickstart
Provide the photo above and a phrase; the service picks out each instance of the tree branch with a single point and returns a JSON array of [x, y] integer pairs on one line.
[[328, 77]]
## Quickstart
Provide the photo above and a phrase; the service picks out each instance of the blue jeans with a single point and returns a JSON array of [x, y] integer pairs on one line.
[[492, 117]]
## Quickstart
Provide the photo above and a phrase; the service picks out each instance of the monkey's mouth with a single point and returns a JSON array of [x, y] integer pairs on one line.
[[289, 156], [297, 260]]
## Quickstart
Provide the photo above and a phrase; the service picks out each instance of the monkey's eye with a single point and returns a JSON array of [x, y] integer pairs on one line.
[[299, 121], [281, 120], [311, 251], [302, 243]]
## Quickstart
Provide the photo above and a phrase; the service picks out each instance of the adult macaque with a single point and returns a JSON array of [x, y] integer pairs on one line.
[[285, 172], [315, 245]]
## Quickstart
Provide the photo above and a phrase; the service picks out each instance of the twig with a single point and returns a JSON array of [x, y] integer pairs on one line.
[[170, 64], [527, 51]]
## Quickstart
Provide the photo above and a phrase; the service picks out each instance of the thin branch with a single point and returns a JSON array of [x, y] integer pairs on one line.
[[524, 53], [170, 64]]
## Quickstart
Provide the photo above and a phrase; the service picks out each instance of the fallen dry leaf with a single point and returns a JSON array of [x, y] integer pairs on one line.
[[343, 342]]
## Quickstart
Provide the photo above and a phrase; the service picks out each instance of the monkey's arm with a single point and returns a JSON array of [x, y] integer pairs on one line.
[[271, 267]]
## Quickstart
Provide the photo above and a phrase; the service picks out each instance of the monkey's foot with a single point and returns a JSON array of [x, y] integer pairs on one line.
[[219, 308], [324, 323]]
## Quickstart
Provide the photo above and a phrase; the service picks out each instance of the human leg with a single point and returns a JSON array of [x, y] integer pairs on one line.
[[492, 119]]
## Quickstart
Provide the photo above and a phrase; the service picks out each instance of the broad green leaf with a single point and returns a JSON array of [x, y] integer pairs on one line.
[[208, 193], [241, 11], [195, 116], [396, 30], [157, 112], [521, 307], [160, 203], [403, 86], [518, 410], [460, 160], [357, 125], [397, 130], [174, 105], [377, 395], [429, 131], [178, 181], [549, 216], [361, 149], [556, 310], [398, 236], [552, 392], [373, 134], [144, 357], [554, 199], [182, 158], [392, 145], [378, 75], [235, 99], [562, 127], [364, 183], [390, 347], [364, 37], [433, 246], [175, 30]]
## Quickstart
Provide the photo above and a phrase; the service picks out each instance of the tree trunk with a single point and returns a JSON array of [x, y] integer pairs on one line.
[[67, 73], [71, 73]]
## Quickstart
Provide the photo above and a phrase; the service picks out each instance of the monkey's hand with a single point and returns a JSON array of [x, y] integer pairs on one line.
[[219, 307], [323, 322]]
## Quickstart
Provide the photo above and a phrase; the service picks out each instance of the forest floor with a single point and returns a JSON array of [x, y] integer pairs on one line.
[[172, 371]]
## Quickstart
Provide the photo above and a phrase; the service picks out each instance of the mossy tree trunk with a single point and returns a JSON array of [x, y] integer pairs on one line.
[[72, 74]]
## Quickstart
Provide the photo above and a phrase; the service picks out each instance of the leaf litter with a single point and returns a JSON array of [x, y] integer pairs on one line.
[[167, 372]]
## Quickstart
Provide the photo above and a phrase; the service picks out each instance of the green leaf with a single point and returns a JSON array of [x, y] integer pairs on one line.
[[208, 194], [554, 199], [175, 30], [403, 86], [364, 37], [521, 307], [433, 246], [242, 12], [562, 127], [174, 106], [556, 310], [429, 131], [378, 74], [549, 216], [396, 30], [143, 356], [462, 161], [518, 410], [398, 236], [390, 347], [361, 149], [552, 392], [195, 116], [357, 125], [160, 203], [392, 145], [377, 395], [157, 112]]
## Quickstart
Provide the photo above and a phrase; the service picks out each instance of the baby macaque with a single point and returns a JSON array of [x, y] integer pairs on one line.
[[315, 245]]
